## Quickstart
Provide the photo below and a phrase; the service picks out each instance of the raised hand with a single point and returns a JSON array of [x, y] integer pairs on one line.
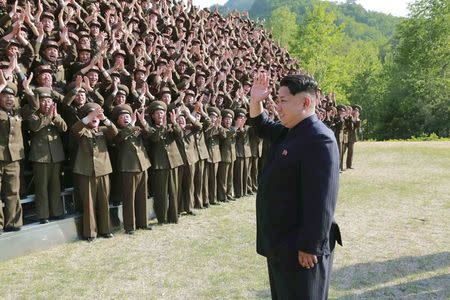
[[26, 83], [260, 89]]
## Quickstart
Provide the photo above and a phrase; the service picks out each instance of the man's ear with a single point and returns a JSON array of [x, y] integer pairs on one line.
[[307, 102]]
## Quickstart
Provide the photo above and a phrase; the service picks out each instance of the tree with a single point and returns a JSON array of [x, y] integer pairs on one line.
[[283, 24]]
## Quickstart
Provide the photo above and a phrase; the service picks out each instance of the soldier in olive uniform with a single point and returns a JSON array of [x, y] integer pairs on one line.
[[339, 124], [187, 146], [12, 151], [47, 153], [243, 152], [166, 158], [254, 160], [200, 179], [354, 125], [132, 163], [228, 156], [213, 134], [93, 166]]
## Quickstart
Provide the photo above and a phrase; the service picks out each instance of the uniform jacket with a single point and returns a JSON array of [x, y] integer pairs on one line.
[[187, 145], [255, 142], [92, 158], [11, 141], [213, 134], [298, 190], [353, 127], [200, 140], [228, 146], [131, 155], [242, 143], [46, 143], [164, 151]]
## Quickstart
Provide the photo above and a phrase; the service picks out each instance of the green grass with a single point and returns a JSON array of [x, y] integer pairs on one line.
[[394, 214]]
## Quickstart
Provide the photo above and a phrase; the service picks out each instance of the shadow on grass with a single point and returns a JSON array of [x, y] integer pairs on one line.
[[436, 287], [365, 275]]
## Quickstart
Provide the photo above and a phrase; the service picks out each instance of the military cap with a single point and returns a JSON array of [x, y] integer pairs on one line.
[[165, 90], [95, 23], [50, 44], [341, 107], [119, 52], [357, 107], [121, 109], [73, 37], [94, 69], [89, 107], [180, 19], [247, 82], [161, 61], [72, 23], [157, 105], [190, 92], [72, 5], [13, 42], [213, 110], [123, 89], [196, 41], [43, 69], [227, 113], [83, 33], [201, 73], [4, 64], [115, 74], [140, 69], [48, 15], [10, 89], [153, 11], [84, 48], [240, 112], [43, 92], [184, 76]]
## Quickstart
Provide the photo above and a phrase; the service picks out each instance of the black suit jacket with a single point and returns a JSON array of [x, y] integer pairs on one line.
[[297, 190]]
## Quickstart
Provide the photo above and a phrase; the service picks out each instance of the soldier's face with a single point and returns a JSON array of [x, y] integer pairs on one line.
[[84, 56], [227, 122], [47, 24], [213, 118], [189, 99], [158, 116], [120, 99], [94, 123], [7, 102], [247, 88], [45, 79], [123, 120], [51, 54], [80, 99], [200, 81], [166, 98], [94, 31], [2, 3], [93, 78], [85, 41], [45, 105], [12, 50], [139, 77], [182, 122]]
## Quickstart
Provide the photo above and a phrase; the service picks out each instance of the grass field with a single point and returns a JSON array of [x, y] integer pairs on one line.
[[394, 214]]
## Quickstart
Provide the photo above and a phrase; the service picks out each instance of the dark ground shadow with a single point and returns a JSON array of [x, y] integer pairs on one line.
[[437, 287], [374, 273]]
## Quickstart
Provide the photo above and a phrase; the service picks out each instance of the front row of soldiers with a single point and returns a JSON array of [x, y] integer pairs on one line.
[[345, 123], [197, 158]]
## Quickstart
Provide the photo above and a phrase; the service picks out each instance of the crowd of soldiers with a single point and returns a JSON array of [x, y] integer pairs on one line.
[[135, 98]]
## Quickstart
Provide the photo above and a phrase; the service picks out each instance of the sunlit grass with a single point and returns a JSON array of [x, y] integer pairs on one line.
[[394, 214]]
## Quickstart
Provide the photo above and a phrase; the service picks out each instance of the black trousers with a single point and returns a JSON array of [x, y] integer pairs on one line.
[[300, 283]]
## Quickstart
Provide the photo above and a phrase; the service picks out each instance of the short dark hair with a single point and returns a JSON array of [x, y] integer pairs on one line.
[[299, 83]]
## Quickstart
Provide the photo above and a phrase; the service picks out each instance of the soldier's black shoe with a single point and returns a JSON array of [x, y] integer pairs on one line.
[[191, 213], [215, 203], [130, 232], [43, 221], [148, 227], [107, 235], [11, 229], [90, 239], [206, 205]]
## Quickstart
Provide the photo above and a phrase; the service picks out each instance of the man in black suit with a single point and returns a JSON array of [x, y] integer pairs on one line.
[[297, 191]]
